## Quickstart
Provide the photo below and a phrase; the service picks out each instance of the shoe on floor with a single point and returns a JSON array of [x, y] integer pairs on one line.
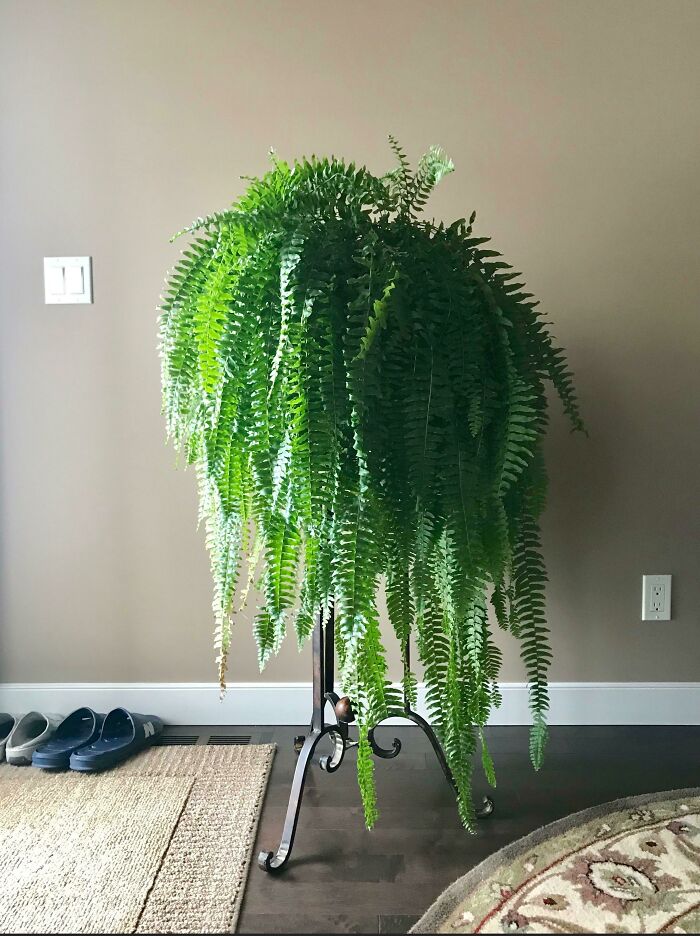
[[7, 723], [30, 731], [78, 729], [123, 734]]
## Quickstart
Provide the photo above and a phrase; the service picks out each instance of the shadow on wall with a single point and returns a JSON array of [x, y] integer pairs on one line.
[[585, 476], [620, 503]]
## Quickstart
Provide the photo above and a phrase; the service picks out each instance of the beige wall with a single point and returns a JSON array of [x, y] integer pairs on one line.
[[575, 129]]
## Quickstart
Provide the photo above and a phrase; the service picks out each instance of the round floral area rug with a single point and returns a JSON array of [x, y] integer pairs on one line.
[[630, 866]]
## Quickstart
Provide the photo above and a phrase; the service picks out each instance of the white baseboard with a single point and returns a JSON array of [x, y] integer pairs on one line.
[[290, 703]]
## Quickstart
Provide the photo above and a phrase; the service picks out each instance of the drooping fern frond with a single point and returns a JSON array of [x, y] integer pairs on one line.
[[363, 393]]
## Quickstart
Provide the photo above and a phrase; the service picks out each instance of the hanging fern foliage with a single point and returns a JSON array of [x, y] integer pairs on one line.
[[362, 392]]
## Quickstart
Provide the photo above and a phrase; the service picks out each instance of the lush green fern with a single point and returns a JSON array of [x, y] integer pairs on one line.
[[363, 394]]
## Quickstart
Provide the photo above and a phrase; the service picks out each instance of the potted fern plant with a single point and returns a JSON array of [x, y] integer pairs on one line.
[[362, 392]]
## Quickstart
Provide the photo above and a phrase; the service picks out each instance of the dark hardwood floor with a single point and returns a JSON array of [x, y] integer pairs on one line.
[[344, 879]]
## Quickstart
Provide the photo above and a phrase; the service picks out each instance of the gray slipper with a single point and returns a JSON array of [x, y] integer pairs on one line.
[[29, 732], [7, 723]]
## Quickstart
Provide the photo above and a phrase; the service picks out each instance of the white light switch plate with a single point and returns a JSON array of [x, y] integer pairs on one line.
[[656, 597], [67, 280]]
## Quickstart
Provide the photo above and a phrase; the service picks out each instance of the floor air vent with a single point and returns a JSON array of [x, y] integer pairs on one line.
[[228, 739], [176, 740]]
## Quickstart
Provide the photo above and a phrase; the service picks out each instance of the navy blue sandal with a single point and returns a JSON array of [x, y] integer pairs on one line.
[[76, 730], [123, 735]]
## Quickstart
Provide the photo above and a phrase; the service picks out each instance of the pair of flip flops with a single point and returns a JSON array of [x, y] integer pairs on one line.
[[88, 741]]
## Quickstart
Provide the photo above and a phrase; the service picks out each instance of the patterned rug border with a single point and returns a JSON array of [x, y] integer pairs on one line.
[[444, 905]]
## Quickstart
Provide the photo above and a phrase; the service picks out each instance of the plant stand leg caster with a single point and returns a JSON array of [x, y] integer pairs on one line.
[[305, 745]]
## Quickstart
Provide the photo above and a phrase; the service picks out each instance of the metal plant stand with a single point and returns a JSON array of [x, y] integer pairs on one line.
[[323, 693]]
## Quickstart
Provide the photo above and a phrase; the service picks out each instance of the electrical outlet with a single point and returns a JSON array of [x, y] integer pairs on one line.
[[656, 597]]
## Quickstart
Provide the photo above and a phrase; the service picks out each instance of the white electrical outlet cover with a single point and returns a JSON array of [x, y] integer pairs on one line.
[[656, 597]]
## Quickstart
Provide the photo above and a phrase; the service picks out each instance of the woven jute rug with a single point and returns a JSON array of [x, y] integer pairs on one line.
[[630, 866], [161, 844]]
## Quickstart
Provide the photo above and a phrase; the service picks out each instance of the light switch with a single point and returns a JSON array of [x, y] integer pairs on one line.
[[55, 281], [75, 285], [67, 280]]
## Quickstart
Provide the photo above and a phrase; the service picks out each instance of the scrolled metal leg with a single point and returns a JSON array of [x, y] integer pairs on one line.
[[332, 761], [437, 747], [323, 693], [339, 735], [274, 862], [378, 750], [487, 806]]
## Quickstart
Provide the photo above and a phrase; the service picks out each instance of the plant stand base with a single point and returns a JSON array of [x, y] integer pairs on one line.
[[305, 745]]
